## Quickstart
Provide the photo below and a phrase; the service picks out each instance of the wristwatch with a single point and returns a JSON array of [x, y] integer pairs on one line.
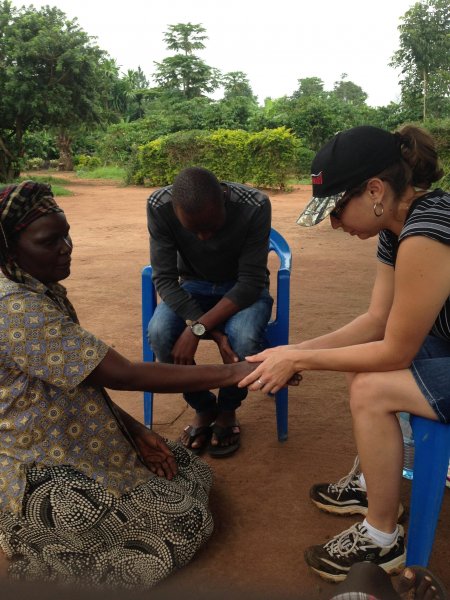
[[197, 328]]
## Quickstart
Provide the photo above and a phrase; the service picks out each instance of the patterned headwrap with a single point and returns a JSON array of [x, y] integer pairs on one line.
[[20, 205]]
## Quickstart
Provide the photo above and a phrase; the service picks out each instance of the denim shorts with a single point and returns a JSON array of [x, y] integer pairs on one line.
[[431, 370]]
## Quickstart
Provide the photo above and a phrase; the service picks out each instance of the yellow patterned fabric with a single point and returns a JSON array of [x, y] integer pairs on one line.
[[48, 415]]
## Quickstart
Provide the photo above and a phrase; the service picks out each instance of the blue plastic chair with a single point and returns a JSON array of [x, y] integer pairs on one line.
[[431, 458], [277, 329]]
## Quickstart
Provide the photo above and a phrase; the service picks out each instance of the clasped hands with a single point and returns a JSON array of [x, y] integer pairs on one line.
[[276, 370]]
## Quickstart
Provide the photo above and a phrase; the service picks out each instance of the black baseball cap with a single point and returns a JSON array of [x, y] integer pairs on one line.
[[346, 161]]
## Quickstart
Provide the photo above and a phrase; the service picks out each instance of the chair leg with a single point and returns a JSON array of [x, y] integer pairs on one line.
[[281, 402], [431, 455], [148, 409]]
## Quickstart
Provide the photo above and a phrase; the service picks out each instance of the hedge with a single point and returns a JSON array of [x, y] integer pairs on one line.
[[267, 158]]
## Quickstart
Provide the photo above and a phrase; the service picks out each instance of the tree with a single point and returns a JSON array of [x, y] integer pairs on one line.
[[186, 37], [308, 87], [235, 84], [347, 91], [185, 71], [424, 55], [51, 75]]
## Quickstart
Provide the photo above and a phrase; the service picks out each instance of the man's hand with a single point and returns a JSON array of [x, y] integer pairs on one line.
[[226, 351], [185, 347], [154, 451]]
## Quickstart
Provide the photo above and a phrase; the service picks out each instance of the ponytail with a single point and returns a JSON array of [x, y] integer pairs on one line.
[[418, 150]]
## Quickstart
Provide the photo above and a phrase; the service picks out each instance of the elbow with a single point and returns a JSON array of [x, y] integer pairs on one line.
[[400, 360]]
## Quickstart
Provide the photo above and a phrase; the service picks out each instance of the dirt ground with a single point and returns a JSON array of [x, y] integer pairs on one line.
[[263, 517]]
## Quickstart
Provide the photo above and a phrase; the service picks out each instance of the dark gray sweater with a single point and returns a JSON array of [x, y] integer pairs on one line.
[[237, 252]]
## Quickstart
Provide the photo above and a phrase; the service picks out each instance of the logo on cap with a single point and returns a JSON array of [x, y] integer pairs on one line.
[[317, 179]]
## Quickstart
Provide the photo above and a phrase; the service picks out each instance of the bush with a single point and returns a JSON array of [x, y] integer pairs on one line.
[[34, 164], [303, 160], [119, 141], [227, 154], [158, 162], [86, 163], [273, 153], [440, 130], [267, 158]]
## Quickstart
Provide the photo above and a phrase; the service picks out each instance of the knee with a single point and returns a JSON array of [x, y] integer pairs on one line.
[[366, 395], [244, 339], [160, 340]]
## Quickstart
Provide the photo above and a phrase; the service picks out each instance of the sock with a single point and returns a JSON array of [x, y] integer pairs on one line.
[[381, 538], [362, 481]]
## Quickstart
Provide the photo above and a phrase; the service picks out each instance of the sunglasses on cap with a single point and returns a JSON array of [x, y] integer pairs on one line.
[[337, 211]]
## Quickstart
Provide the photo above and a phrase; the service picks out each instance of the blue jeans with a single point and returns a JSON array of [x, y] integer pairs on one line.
[[431, 370], [245, 332]]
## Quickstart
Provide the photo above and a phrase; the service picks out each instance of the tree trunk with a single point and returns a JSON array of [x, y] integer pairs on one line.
[[425, 94], [64, 142], [9, 168]]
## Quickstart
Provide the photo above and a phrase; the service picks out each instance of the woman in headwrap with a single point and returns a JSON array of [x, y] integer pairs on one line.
[[86, 492]]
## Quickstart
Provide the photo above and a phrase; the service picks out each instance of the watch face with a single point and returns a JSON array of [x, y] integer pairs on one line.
[[198, 329]]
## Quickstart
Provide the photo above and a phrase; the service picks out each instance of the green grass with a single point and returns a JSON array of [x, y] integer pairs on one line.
[[108, 172], [302, 181], [43, 179], [57, 183]]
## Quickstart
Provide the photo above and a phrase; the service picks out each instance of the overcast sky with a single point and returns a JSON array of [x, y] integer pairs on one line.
[[275, 42]]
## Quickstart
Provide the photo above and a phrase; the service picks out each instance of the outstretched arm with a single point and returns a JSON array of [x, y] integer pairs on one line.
[[422, 286], [118, 373]]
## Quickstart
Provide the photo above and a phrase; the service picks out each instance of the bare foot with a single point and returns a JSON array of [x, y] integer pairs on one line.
[[225, 435], [417, 583], [198, 434]]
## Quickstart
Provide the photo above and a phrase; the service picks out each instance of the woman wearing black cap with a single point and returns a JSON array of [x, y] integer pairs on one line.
[[396, 355]]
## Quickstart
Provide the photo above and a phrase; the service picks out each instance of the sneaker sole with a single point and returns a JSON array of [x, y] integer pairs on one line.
[[349, 510], [341, 510], [393, 567]]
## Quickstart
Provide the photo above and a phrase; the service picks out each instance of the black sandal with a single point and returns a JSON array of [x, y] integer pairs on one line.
[[221, 433], [194, 433]]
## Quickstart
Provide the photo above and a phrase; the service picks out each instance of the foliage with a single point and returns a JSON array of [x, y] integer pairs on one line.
[[347, 91], [40, 144], [86, 162], [266, 158], [273, 153], [236, 84], [186, 37], [34, 164], [307, 87], [227, 154], [52, 74], [104, 172], [303, 160], [424, 57], [159, 161], [129, 93], [185, 71], [440, 130], [57, 184]]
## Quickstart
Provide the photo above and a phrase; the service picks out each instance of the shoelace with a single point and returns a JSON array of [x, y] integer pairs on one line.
[[347, 481], [348, 541]]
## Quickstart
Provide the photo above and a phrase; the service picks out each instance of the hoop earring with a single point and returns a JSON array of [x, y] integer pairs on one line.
[[378, 209]]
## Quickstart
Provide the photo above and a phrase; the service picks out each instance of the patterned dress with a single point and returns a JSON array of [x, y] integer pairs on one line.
[[76, 500]]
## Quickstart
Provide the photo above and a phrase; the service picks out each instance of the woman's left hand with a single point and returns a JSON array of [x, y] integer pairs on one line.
[[155, 453], [277, 369]]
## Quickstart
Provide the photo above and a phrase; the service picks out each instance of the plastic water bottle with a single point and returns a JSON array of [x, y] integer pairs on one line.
[[408, 445]]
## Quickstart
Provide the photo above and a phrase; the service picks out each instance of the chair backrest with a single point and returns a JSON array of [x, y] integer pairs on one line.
[[278, 329]]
